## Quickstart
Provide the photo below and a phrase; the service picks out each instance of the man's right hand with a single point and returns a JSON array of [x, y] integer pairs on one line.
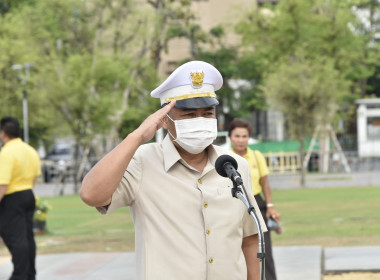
[[101, 182], [154, 122]]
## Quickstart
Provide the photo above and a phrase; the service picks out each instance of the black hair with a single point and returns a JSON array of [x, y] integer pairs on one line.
[[10, 126]]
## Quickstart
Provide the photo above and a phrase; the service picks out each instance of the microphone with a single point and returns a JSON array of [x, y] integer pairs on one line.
[[226, 166]]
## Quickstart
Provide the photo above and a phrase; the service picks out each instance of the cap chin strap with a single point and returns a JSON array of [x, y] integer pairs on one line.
[[186, 92], [190, 95]]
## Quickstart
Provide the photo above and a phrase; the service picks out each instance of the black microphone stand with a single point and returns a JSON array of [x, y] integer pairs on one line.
[[237, 193]]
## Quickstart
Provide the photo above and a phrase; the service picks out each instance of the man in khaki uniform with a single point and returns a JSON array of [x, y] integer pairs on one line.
[[187, 224]]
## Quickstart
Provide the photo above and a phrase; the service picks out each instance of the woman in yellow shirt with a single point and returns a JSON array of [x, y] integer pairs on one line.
[[239, 133]]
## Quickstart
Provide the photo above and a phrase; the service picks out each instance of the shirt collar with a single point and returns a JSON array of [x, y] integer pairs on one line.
[[248, 153], [171, 155], [14, 140], [212, 154]]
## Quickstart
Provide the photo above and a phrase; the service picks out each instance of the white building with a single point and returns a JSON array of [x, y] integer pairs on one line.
[[368, 127]]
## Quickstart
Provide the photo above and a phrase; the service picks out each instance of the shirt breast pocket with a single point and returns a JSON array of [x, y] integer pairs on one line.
[[230, 210], [225, 191]]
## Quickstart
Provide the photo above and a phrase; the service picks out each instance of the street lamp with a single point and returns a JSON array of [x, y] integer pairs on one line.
[[24, 79]]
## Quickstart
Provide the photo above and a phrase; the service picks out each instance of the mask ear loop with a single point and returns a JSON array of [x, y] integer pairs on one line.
[[174, 139]]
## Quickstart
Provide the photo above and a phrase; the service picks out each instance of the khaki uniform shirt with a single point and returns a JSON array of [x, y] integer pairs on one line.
[[187, 224]]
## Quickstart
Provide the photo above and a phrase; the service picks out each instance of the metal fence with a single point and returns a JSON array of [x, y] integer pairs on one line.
[[283, 162], [290, 162]]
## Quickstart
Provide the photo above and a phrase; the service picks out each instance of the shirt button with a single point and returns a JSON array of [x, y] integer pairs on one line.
[[211, 260], [208, 231], [205, 205], [200, 181]]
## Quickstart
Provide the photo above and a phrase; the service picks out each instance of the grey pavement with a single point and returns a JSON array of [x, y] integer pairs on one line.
[[84, 266], [292, 262], [316, 180], [346, 259], [298, 262]]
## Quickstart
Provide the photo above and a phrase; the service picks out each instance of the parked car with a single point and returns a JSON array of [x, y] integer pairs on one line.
[[224, 141], [58, 164]]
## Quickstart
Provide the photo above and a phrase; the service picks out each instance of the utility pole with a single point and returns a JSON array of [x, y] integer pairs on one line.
[[24, 78]]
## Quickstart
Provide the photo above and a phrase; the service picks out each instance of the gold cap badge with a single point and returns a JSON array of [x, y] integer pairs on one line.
[[197, 78]]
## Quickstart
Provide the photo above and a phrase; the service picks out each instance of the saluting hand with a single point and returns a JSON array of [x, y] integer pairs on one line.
[[153, 123]]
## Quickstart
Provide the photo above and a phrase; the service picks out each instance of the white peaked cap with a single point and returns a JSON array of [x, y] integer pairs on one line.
[[193, 85]]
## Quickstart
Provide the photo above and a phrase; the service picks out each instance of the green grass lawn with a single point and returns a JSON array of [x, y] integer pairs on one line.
[[329, 216], [326, 217], [76, 227]]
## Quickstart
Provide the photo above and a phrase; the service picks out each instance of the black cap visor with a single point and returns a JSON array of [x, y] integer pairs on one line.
[[195, 103]]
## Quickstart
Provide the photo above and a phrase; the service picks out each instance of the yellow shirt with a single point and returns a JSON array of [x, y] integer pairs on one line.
[[19, 165], [188, 225], [258, 167]]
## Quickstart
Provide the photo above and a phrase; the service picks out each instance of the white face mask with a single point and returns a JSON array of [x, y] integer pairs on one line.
[[195, 135]]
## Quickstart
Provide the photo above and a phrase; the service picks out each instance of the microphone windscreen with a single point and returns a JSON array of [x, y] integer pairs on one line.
[[221, 161]]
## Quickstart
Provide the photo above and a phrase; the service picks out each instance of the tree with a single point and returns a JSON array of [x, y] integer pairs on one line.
[[321, 30], [368, 27], [7, 5], [91, 63], [17, 49], [339, 30], [307, 92], [94, 61], [172, 19]]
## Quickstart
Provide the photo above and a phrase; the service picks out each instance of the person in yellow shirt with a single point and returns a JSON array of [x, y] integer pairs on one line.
[[19, 170], [239, 132]]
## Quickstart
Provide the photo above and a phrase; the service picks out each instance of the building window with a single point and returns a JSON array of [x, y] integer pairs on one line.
[[373, 128]]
